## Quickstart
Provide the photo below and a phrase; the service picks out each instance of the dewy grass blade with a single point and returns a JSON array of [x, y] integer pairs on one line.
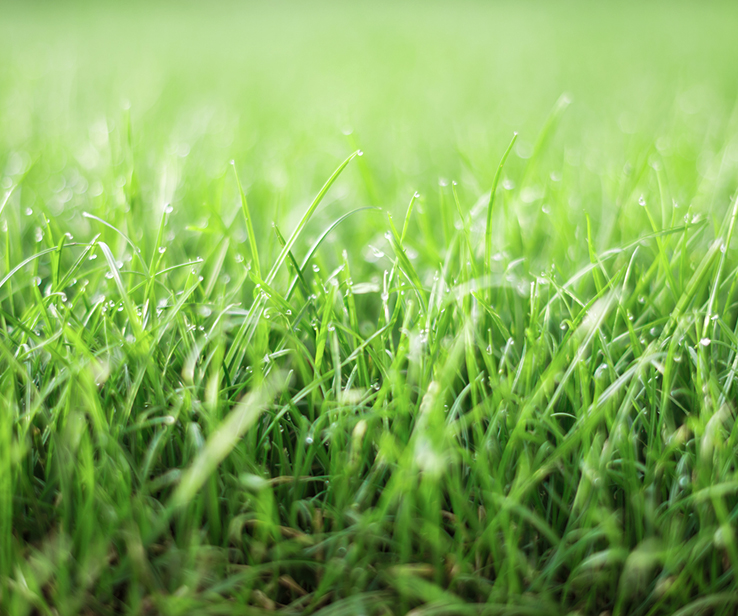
[[303, 221], [491, 204], [135, 249], [249, 224], [130, 310]]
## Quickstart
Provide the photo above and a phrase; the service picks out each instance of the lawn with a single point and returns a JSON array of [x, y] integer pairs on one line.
[[368, 309]]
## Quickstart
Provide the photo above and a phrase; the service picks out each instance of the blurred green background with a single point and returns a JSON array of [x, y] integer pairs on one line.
[[146, 103]]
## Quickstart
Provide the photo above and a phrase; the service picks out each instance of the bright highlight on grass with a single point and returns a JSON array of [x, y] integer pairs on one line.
[[248, 368]]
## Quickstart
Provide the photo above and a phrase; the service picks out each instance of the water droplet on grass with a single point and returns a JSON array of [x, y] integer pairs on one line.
[[642, 201], [162, 249], [705, 342]]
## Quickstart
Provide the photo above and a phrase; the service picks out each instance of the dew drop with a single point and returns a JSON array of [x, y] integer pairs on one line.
[[642, 201], [29, 211], [360, 153], [705, 342], [162, 249]]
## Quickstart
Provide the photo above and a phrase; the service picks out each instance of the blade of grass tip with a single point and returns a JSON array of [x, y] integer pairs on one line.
[[135, 248], [56, 262], [416, 195], [303, 221], [490, 206], [465, 228], [718, 274], [319, 241], [404, 263], [249, 226], [223, 440], [548, 128]]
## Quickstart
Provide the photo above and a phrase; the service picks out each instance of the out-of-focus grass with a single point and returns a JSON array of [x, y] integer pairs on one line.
[[366, 409]]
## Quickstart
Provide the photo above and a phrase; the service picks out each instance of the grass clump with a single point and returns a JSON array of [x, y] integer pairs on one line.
[[306, 388]]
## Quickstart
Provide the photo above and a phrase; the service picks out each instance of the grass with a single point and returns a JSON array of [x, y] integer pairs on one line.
[[316, 380]]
